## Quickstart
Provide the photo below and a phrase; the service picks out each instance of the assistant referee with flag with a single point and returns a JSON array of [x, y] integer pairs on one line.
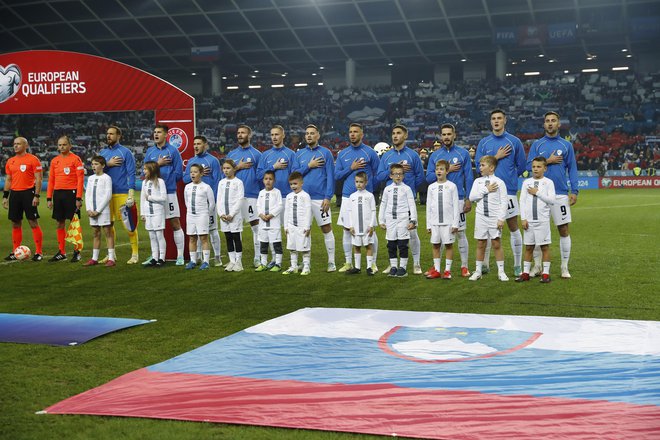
[[64, 194]]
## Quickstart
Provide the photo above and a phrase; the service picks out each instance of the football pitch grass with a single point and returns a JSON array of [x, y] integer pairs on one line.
[[614, 264]]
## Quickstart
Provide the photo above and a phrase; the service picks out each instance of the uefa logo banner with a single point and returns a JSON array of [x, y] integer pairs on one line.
[[10, 81], [177, 138]]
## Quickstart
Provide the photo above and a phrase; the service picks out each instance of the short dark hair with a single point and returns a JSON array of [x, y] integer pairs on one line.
[[551, 113], [295, 176], [448, 125], [497, 110], [540, 159], [117, 129], [199, 167], [100, 159], [163, 127], [201, 138], [362, 175], [270, 173], [396, 166], [401, 126], [355, 124], [312, 126], [229, 162]]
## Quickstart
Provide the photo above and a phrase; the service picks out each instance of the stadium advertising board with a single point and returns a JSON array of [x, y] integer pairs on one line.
[[629, 182], [53, 81]]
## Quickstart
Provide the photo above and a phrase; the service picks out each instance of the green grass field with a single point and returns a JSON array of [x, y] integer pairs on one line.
[[614, 264]]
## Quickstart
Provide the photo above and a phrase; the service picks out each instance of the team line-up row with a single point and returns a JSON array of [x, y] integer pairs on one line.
[[257, 188]]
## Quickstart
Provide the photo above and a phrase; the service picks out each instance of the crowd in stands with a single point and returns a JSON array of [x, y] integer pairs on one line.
[[612, 119]]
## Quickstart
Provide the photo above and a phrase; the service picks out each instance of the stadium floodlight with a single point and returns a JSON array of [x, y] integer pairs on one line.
[[232, 87], [629, 56], [255, 86], [509, 74], [463, 60], [565, 71], [319, 84], [624, 50], [300, 85], [276, 86], [620, 68], [532, 73], [541, 55], [589, 70], [194, 73], [321, 68]]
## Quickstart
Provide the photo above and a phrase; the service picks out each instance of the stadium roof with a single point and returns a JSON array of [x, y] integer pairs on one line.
[[301, 36]]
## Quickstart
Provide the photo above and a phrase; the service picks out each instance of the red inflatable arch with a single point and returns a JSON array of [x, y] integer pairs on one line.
[[51, 81]]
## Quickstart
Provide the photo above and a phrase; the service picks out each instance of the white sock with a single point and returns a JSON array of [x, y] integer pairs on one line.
[[278, 259], [193, 256], [272, 251], [95, 254], [329, 239], [546, 267], [162, 244], [448, 264], [294, 259], [255, 240], [232, 257], [403, 262], [517, 247], [565, 250], [479, 266], [206, 255], [153, 240], [393, 262], [198, 257], [214, 237], [347, 242], [306, 260], [264, 259], [415, 246], [436, 264], [179, 241], [537, 255], [527, 266], [463, 248], [486, 261], [357, 261], [239, 257], [111, 254], [370, 261], [374, 249], [500, 266]]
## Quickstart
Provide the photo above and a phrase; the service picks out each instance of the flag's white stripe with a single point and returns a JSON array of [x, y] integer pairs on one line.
[[572, 334]]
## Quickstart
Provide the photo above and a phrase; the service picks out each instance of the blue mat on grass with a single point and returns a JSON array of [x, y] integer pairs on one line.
[[59, 330]]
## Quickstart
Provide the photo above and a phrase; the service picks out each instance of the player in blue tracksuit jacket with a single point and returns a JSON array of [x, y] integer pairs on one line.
[[171, 171], [511, 162], [350, 161], [561, 164], [247, 160], [460, 173], [210, 176], [414, 176], [317, 166], [279, 159]]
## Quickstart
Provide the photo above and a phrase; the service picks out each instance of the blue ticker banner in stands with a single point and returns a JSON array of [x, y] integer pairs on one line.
[[561, 33], [644, 28], [583, 183]]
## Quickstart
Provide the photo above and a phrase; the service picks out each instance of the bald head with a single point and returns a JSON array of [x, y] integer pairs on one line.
[[20, 145]]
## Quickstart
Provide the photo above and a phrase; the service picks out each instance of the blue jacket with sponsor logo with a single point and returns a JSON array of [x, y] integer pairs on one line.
[[557, 172], [251, 184], [123, 176], [170, 173], [319, 182], [268, 160], [462, 178], [509, 167], [413, 178], [343, 167]]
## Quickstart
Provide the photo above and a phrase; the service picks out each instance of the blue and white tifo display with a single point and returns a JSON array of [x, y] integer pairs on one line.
[[416, 374]]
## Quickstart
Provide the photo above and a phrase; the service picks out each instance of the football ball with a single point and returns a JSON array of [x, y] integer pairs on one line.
[[381, 148], [22, 253]]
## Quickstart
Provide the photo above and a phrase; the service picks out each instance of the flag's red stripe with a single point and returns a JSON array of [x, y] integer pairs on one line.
[[376, 409]]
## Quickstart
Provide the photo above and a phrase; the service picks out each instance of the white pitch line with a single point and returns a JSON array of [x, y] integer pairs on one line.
[[618, 206]]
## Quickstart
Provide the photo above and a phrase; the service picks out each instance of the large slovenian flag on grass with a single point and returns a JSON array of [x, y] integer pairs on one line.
[[415, 374]]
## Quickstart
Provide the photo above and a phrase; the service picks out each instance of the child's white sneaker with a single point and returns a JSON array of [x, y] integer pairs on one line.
[[475, 276]]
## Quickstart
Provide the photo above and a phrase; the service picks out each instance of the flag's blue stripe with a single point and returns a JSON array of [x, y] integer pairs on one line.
[[607, 376]]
